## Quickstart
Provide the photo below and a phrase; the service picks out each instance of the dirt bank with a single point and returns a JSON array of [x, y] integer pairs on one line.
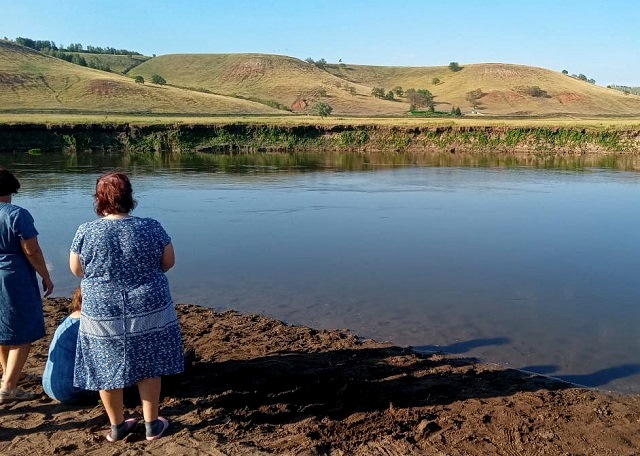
[[255, 385], [251, 138]]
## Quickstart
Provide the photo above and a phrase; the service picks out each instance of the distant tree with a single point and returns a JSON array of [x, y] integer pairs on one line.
[[157, 79], [456, 112], [435, 81], [454, 66], [378, 92], [322, 63], [473, 96], [45, 44], [389, 96], [99, 66], [591, 81], [582, 77], [419, 98], [565, 72], [139, 79], [535, 91], [351, 89], [398, 91], [78, 60], [310, 61], [28, 42], [321, 109]]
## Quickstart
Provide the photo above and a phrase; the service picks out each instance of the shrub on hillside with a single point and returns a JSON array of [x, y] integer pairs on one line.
[[534, 91], [473, 96], [419, 98], [157, 79], [321, 109]]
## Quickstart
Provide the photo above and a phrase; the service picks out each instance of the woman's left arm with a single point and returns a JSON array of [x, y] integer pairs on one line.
[[32, 250]]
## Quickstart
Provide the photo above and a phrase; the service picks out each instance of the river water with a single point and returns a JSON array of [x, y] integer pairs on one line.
[[530, 265]]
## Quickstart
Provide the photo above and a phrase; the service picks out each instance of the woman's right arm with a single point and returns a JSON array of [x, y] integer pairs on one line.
[[33, 252], [168, 258], [75, 264]]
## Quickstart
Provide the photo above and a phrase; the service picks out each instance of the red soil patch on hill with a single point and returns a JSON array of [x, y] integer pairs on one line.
[[570, 97]]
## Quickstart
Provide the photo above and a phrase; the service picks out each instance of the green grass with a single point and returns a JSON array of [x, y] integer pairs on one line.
[[260, 84]]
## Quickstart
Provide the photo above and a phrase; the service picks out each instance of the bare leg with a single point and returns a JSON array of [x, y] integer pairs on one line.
[[13, 359], [113, 404], [4, 356], [149, 390]]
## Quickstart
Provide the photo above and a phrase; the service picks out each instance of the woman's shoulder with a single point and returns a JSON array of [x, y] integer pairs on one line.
[[88, 225], [148, 221], [12, 209], [92, 226], [17, 214]]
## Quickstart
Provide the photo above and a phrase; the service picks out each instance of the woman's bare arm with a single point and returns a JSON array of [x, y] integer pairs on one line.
[[34, 254], [168, 259], [75, 264]]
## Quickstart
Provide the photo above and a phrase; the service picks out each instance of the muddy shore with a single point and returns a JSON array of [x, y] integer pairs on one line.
[[255, 385]]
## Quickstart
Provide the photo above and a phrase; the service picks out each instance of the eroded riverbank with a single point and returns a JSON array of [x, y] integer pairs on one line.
[[252, 138]]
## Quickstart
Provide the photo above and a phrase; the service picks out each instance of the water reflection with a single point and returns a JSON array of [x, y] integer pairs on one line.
[[141, 162]]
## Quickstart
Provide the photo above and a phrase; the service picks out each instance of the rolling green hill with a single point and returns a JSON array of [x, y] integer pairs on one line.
[[273, 79], [224, 84], [507, 89], [34, 82]]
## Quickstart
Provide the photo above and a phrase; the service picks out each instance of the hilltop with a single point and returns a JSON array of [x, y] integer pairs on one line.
[[261, 84]]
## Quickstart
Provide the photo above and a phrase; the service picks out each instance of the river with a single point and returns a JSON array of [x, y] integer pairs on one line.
[[532, 267]]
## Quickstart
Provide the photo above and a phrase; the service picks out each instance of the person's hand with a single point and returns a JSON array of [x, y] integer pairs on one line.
[[47, 286]]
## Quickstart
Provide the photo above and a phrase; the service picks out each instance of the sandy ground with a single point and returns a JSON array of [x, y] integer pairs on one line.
[[254, 385]]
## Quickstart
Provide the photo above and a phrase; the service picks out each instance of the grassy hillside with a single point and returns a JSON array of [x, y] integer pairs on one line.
[[236, 84], [272, 79], [506, 89], [33, 82]]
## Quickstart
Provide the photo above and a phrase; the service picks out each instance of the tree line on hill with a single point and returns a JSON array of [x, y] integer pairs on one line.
[[73, 52], [625, 89], [42, 45], [580, 76]]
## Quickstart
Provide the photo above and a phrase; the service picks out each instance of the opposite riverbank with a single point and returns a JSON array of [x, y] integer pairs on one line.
[[255, 385], [516, 137]]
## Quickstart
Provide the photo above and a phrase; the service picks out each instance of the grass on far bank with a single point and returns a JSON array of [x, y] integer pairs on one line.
[[289, 120]]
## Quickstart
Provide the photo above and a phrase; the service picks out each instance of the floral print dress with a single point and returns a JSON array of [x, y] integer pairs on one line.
[[128, 329]]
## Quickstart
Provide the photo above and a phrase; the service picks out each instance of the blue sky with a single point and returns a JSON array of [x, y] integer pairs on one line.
[[600, 39]]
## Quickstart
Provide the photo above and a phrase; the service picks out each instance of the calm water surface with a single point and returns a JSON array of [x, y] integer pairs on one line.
[[530, 267]]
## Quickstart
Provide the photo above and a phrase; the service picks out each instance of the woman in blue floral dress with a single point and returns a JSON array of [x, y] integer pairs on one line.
[[129, 331]]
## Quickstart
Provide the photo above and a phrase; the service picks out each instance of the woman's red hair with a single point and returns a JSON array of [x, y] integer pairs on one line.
[[114, 194]]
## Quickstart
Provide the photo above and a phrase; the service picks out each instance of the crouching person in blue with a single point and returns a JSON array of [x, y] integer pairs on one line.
[[57, 380]]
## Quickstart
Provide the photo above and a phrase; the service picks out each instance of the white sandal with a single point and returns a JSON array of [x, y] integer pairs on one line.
[[8, 396]]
